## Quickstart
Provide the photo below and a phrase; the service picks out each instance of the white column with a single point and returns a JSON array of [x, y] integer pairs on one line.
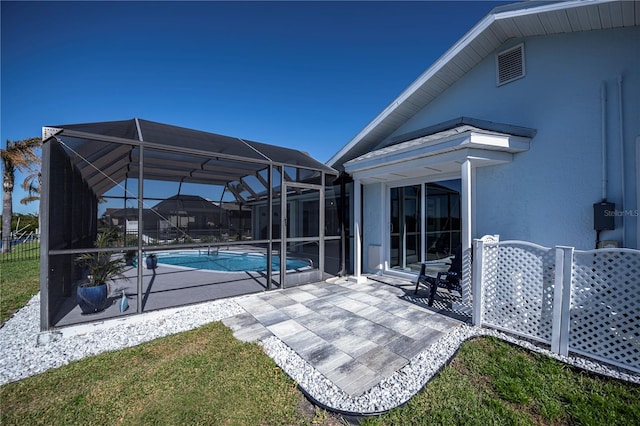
[[357, 232], [465, 195], [423, 222]]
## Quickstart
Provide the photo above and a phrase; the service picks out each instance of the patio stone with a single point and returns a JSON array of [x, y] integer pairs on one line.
[[320, 292], [382, 360], [272, 317], [284, 329], [256, 305], [354, 345], [366, 298], [317, 305], [316, 320], [416, 315], [375, 332], [351, 305], [334, 312], [424, 333], [297, 310], [355, 322], [395, 308], [304, 341], [370, 313], [239, 321], [281, 301], [385, 318], [398, 324], [354, 377], [253, 333], [406, 346], [331, 330], [337, 359], [300, 295], [323, 353]]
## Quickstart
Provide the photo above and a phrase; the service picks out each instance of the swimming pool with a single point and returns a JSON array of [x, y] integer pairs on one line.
[[228, 261]]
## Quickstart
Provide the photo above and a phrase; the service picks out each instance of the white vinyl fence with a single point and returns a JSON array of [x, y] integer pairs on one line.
[[585, 302]]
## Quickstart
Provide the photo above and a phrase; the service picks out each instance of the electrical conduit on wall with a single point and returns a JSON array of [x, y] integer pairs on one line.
[[622, 157]]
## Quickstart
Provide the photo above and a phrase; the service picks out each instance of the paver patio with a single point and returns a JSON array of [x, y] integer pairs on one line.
[[353, 334]]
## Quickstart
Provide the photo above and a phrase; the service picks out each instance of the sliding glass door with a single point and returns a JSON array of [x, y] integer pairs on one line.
[[439, 225], [405, 228], [443, 222]]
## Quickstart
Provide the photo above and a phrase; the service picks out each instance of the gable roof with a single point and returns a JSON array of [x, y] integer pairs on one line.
[[186, 203], [525, 19]]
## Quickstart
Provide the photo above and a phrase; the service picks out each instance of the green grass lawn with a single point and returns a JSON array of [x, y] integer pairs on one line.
[[205, 376], [19, 281], [490, 382]]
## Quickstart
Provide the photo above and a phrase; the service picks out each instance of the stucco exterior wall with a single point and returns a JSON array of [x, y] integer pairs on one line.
[[546, 194]]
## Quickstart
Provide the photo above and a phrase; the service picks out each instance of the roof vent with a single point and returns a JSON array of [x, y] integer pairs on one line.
[[510, 65]]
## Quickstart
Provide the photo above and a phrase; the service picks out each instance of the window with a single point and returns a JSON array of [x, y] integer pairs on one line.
[[510, 65]]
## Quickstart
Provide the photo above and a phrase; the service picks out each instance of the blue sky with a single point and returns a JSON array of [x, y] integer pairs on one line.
[[305, 75]]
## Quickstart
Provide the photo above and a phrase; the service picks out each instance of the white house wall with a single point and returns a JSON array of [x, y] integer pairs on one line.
[[546, 194]]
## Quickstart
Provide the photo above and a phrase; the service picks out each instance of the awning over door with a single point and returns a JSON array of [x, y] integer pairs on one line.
[[440, 150]]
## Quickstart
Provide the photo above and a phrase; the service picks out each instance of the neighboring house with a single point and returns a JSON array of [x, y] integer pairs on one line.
[[189, 213], [518, 130], [184, 215], [127, 219]]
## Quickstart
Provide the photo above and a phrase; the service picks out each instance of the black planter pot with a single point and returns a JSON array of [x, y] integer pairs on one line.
[[152, 262], [92, 299]]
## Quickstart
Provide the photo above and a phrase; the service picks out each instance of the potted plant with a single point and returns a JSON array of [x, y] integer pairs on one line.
[[101, 267], [152, 261]]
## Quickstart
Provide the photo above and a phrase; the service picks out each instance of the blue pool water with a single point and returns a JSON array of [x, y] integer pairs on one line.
[[227, 261]]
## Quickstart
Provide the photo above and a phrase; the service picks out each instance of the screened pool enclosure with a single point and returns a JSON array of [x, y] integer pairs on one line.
[[224, 216]]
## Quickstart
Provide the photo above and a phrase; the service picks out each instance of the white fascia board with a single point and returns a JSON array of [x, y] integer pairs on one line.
[[543, 8], [484, 157], [501, 142]]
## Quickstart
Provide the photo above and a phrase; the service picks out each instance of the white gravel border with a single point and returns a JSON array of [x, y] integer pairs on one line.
[[24, 352]]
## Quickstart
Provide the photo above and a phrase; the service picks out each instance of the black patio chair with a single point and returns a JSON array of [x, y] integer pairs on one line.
[[449, 279]]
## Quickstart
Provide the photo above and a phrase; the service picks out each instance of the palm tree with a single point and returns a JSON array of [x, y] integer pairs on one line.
[[20, 155], [31, 184]]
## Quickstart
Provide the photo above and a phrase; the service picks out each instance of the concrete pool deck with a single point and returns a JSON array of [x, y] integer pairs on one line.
[[169, 287]]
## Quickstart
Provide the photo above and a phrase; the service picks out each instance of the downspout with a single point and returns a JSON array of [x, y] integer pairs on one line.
[[603, 107], [622, 169], [603, 139]]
